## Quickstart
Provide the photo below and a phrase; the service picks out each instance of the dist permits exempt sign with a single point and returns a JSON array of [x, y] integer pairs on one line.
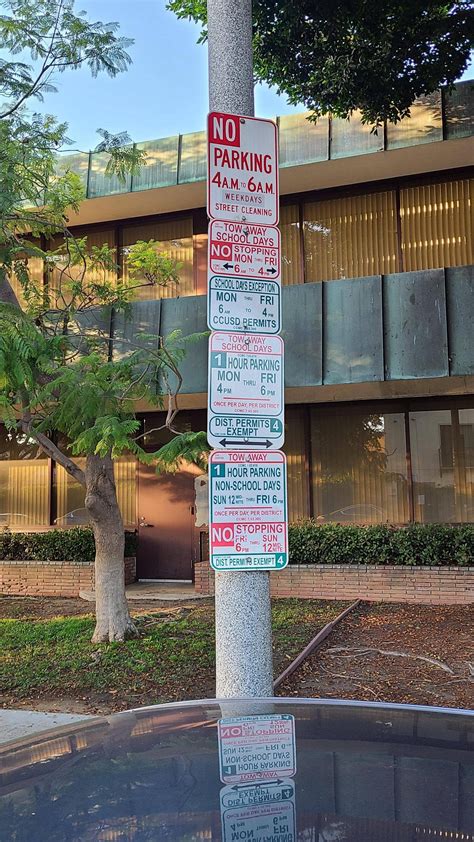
[[242, 169], [248, 510]]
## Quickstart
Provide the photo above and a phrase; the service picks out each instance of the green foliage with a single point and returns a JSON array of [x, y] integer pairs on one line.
[[188, 447], [57, 40], [431, 544], [34, 199], [75, 544], [335, 56], [144, 260]]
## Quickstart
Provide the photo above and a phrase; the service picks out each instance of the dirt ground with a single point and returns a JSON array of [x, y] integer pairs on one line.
[[412, 654], [47, 607]]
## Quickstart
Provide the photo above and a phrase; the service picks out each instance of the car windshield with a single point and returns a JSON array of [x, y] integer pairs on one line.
[[255, 770]]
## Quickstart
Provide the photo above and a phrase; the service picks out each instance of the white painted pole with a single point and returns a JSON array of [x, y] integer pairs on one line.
[[243, 615]]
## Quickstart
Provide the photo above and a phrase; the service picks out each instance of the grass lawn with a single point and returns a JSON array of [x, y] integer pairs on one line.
[[52, 664]]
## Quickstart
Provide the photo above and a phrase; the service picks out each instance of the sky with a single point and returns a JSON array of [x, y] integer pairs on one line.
[[164, 92]]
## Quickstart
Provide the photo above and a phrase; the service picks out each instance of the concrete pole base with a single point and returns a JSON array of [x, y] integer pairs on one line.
[[243, 635]]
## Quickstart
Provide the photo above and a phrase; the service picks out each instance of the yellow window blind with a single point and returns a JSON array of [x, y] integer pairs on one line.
[[291, 256], [295, 449], [70, 494], [437, 224], [27, 482], [351, 236], [174, 239]]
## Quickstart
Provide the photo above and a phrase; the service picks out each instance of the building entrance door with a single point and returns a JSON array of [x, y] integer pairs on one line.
[[166, 518]]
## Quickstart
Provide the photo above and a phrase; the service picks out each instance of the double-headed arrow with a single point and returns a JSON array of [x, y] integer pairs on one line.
[[250, 785], [272, 270], [246, 443]]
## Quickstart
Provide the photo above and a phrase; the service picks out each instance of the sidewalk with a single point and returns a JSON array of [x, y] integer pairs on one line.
[[154, 591], [15, 724]]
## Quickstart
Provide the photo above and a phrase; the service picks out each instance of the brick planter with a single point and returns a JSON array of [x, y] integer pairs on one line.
[[429, 585], [52, 578]]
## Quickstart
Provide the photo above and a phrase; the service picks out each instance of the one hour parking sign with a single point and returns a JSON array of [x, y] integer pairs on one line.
[[246, 404], [248, 510]]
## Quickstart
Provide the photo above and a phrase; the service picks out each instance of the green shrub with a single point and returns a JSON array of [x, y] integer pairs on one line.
[[75, 544], [422, 544]]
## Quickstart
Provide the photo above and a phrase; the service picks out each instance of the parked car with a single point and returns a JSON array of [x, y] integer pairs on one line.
[[255, 769], [358, 513], [76, 517]]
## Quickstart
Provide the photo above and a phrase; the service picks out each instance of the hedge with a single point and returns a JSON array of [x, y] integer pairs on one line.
[[75, 544], [421, 544]]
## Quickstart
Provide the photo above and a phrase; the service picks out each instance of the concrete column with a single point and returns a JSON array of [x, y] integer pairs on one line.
[[243, 616]]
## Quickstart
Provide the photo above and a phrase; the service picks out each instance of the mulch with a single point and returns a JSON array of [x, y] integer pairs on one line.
[[410, 654]]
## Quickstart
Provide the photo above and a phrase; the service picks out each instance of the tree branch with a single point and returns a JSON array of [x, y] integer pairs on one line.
[[51, 450]]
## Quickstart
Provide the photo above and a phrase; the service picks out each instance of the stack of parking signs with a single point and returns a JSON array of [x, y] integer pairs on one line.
[[247, 471]]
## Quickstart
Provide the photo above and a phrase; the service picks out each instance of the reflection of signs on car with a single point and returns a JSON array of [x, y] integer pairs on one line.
[[256, 748]]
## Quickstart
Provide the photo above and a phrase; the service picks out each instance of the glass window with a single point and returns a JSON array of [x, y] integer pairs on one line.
[[351, 236], [424, 125], [175, 239], [437, 224], [70, 494], [24, 482], [161, 169], [442, 452], [77, 163], [359, 467], [352, 137], [459, 110], [297, 467], [291, 251], [302, 141], [193, 158], [101, 184]]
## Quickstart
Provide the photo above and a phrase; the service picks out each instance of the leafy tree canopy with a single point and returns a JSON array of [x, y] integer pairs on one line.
[[56, 371], [341, 55]]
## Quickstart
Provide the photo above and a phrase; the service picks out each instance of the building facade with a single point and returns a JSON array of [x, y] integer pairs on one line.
[[378, 275]]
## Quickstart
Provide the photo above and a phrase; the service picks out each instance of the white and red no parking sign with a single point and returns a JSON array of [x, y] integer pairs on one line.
[[243, 169]]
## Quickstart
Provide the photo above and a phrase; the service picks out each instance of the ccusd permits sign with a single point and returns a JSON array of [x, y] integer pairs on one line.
[[243, 169], [248, 510]]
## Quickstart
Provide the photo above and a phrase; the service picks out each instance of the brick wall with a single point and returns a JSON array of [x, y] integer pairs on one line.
[[52, 578], [430, 585]]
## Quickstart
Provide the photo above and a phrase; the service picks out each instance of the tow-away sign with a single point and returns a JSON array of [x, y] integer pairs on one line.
[[243, 169], [246, 406], [249, 251], [248, 527]]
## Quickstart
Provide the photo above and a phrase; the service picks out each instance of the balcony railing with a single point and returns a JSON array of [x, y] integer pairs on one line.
[[181, 159]]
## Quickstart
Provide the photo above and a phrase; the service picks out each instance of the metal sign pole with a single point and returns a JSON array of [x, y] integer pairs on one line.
[[243, 616]]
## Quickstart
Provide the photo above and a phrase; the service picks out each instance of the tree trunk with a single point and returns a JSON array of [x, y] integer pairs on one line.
[[113, 621]]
